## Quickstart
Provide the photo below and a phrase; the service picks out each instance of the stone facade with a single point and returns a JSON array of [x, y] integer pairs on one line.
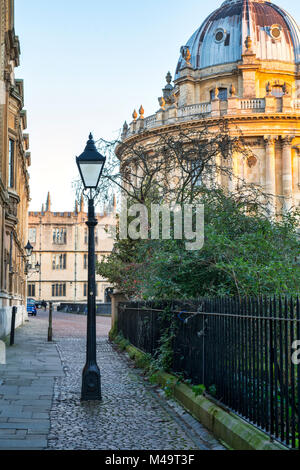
[[258, 94], [14, 177], [61, 246]]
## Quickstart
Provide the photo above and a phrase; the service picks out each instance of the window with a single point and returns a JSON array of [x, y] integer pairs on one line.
[[33, 259], [277, 91], [275, 31], [11, 163], [227, 40], [196, 173], [223, 93], [58, 290], [220, 35], [32, 235], [31, 290], [59, 262], [59, 236]]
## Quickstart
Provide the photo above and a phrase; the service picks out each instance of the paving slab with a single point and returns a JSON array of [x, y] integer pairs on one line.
[[26, 388]]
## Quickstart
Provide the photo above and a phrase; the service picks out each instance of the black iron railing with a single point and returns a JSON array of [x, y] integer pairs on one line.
[[243, 351]]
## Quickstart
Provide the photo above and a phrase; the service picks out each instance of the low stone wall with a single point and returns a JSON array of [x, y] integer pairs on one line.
[[226, 426], [5, 319]]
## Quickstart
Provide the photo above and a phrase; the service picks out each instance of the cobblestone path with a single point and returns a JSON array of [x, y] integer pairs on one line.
[[133, 415]]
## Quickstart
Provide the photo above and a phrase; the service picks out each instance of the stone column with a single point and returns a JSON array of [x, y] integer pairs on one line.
[[298, 166], [287, 173], [231, 165], [270, 182]]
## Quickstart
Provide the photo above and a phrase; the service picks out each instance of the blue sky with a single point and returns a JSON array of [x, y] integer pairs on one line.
[[87, 65]]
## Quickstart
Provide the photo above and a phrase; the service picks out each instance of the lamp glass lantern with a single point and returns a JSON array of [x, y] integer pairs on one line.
[[28, 249], [90, 165]]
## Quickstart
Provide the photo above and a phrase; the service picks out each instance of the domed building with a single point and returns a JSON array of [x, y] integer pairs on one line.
[[241, 65]]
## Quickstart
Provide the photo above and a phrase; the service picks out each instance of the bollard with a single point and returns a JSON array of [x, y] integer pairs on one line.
[[13, 326], [50, 322]]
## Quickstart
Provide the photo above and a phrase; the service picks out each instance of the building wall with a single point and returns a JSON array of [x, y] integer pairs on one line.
[[14, 192], [73, 275]]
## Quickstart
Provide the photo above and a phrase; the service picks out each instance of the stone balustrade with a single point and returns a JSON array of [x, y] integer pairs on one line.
[[296, 104], [150, 121], [256, 103], [217, 108], [194, 109]]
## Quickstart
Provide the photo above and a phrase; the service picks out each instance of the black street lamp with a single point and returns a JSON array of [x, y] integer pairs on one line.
[[90, 165], [28, 249]]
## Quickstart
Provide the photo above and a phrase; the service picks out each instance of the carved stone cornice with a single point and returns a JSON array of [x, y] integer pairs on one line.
[[12, 44], [14, 93]]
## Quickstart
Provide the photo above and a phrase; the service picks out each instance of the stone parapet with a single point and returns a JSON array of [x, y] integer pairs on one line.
[[216, 108]]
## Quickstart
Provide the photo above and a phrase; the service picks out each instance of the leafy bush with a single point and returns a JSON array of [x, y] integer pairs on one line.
[[245, 254]]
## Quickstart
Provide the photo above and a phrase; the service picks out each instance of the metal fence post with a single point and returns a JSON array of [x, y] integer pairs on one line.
[[50, 321], [13, 326]]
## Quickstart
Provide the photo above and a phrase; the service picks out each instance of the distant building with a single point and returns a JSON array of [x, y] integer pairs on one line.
[[242, 65], [14, 178], [60, 241]]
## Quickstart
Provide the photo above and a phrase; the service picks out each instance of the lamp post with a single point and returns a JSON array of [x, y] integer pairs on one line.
[[90, 165], [28, 250]]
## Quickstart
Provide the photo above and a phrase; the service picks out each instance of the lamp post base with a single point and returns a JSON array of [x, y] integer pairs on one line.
[[91, 383]]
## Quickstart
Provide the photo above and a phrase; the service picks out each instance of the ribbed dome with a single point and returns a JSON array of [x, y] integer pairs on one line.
[[221, 38]]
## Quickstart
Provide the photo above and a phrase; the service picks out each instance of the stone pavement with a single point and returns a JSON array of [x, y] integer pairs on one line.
[[26, 388], [40, 404]]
